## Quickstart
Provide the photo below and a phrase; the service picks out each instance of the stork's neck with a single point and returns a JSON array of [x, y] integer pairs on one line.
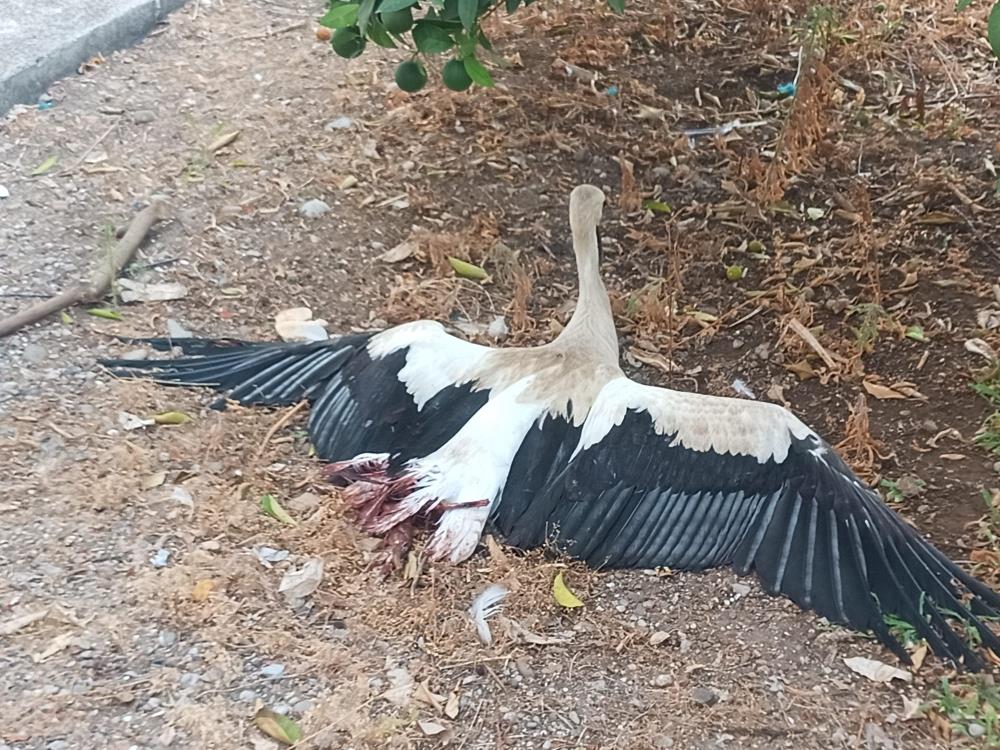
[[592, 324]]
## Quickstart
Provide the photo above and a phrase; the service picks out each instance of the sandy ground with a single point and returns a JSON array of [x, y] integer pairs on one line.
[[139, 577]]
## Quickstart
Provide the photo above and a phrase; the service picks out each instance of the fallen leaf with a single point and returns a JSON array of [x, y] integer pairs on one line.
[[563, 596], [222, 141], [936, 217], [881, 392], [467, 270], [918, 655], [11, 626], [424, 694], [296, 324], [657, 207], [202, 590], [278, 726], [55, 646], [103, 312], [980, 347], [912, 709], [451, 708], [431, 728], [300, 583], [658, 637], [136, 291], [270, 505], [814, 213], [496, 553], [45, 166], [988, 319], [876, 671], [154, 480], [172, 417], [650, 113], [401, 252]]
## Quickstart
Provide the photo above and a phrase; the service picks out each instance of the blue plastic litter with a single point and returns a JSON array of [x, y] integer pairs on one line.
[[787, 89], [611, 91]]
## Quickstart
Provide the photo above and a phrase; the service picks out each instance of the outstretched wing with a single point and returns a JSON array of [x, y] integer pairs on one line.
[[687, 481], [404, 391]]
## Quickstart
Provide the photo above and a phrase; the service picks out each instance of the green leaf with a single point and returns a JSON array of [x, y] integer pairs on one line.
[[993, 29], [45, 166], [477, 72], [277, 726], [270, 505], [511, 5], [431, 39], [66, 318], [916, 333], [468, 11], [466, 45], [484, 42], [467, 270], [618, 6], [103, 312], [962, 5], [364, 13], [172, 417], [340, 17], [378, 34], [657, 207], [389, 6]]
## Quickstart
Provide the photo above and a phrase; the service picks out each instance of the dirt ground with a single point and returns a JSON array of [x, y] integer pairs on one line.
[[139, 602]]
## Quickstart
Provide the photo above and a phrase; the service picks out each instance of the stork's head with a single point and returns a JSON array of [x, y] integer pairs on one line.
[[586, 203]]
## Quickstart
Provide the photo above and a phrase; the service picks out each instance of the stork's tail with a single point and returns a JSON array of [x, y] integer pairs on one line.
[[253, 373]]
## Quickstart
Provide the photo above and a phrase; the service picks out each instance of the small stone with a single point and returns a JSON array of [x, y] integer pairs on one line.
[[838, 305], [741, 589], [976, 729], [685, 645], [762, 351], [663, 742], [246, 696], [4, 192], [313, 209], [143, 116], [272, 671], [524, 668], [304, 503], [929, 426], [303, 706], [57, 745], [663, 680], [167, 638], [996, 467], [35, 354], [282, 708], [190, 679], [738, 343], [658, 637], [704, 696], [340, 123], [176, 331]]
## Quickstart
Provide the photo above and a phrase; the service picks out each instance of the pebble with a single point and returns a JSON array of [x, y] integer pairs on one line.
[[303, 705], [762, 351], [663, 742], [996, 467], [524, 668], [57, 745], [190, 679], [247, 696], [35, 354], [176, 331], [272, 671], [340, 123], [704, 696], [314, 208], [4, 192], [741, 589], [143, 116], [929, 426], [976, 729], [738, 343], [160, 558], [663, 680]]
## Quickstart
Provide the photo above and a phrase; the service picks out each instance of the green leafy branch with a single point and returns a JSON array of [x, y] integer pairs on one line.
[[428, 28]]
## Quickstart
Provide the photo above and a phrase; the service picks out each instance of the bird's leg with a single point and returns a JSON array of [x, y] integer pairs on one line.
[[395, 544], [458, 530]]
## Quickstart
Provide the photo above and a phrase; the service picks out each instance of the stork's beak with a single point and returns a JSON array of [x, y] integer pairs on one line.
[[600, 248]]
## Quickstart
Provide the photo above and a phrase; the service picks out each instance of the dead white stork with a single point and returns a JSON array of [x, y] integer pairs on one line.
[[555, 443]]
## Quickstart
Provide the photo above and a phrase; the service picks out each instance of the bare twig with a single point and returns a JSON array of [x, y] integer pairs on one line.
[[102, 277], [830, 360]]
